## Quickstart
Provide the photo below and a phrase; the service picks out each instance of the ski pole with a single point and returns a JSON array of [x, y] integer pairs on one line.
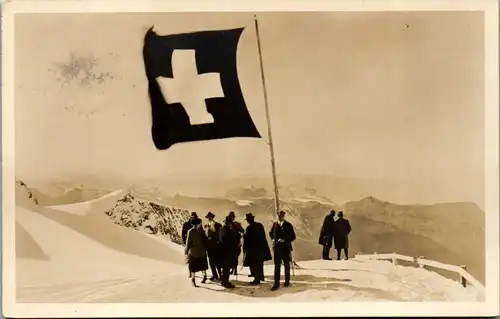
[[291, 259]]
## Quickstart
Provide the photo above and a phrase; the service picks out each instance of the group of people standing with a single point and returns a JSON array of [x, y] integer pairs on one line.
[[335, 232], [222, 245]]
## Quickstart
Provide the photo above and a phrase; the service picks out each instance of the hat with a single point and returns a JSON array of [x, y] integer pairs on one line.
[[196, 221], [281, 212], [249, 216], [209, 215], [231, 214], [194, 215]]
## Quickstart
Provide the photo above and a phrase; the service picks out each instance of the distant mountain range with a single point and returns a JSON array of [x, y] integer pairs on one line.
[[450, 232], [335, 188], [60, 192]]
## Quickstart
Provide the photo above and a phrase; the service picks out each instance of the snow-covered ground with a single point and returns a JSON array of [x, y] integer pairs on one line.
[[96, 205], [87, 258]]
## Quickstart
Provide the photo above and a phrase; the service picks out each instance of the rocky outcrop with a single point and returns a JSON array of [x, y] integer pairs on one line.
[[24, 195], [150, 217]]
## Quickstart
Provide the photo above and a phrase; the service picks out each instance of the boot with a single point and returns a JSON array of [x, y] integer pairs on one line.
[[204, 280], [275, 287], [287, 284], [229, 285]]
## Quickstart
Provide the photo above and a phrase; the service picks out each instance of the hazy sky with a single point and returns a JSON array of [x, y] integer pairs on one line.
[[394, 95]]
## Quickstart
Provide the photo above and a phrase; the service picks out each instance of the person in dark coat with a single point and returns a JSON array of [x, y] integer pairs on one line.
[[341, 239], [229, 242], [255, 249], [239, 231], [213, 250], [187, 226], [196, 250], [327, 233], [283, 234]]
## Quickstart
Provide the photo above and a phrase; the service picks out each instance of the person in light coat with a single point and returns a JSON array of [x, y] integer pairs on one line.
[[196, 251]]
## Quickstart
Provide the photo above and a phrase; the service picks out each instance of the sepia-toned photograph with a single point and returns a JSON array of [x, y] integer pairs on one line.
[[249, 158]]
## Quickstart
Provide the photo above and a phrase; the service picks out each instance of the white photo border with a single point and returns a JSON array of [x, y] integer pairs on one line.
[[489, 307]]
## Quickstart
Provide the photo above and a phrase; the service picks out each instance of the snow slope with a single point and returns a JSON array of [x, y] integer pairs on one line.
[[97, 205], [68, 257]]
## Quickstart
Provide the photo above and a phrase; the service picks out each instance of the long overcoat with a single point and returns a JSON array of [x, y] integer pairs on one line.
[[229, 244], [196, 243], [342, 231], [255, 246], [213, 246], [327, 231]]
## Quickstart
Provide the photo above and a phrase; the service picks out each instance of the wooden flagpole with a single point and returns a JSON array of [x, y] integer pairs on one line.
[[271, 147]]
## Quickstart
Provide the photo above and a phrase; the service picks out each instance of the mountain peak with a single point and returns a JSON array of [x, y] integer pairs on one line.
[[128, 197], [248, 192], [148, 216], [371, 199]]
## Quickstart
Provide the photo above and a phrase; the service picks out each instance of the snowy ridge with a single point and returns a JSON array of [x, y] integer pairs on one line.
[[24, 195], [91, 207], [148, 216]]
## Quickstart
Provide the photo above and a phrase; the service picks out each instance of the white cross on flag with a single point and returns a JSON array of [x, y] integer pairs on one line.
[[193, 86]]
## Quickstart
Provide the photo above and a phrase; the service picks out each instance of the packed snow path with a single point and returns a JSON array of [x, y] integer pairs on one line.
[[68, 259], [363, 281]]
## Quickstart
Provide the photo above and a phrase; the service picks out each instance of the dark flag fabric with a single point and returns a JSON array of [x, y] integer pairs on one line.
[[194, 90]]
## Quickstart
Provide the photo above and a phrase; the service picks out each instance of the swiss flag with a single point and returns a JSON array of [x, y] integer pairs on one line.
[[193, 87]]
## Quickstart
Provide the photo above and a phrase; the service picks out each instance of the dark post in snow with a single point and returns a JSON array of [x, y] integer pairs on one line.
[[421, 265], [462, 278], [394, 259]]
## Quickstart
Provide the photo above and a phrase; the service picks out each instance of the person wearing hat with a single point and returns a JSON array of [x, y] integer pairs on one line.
[[239, 233], [229, 243], [255, 249], [196, 251], [212, 230], [341, 239], [283, 234], [327, 233]]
